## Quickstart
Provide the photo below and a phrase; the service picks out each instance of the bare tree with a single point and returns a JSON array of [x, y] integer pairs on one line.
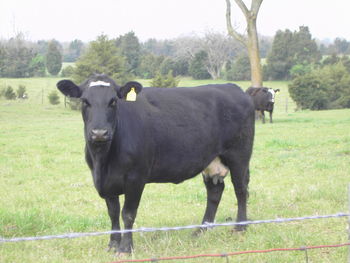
[[187, 47], [217, 47], [250, 41]]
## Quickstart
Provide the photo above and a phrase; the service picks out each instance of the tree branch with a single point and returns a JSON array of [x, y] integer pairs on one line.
[[255, 7], [230, 29], [243, 7]]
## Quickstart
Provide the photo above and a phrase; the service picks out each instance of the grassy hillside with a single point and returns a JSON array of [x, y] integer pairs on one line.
[[300, 166]]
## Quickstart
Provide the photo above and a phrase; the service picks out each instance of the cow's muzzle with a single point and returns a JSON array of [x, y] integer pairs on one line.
[[99, 135]]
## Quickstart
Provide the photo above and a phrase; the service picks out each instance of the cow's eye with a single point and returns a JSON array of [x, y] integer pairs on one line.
[[85, 102], [112, 103]]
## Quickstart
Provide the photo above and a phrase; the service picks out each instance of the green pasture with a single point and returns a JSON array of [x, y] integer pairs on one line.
[[300, 167]]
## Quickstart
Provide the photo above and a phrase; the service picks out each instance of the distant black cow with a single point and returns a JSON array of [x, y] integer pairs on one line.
[[164, 136], [264, 100]]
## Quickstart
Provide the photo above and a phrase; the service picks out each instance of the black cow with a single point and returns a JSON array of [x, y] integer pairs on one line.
[[264, 100], [165, 136]]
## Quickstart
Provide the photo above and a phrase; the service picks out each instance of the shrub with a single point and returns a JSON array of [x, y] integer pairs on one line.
[[299, 70], [9, 94], [309, 92], [67, 72], [325, 88], [74, 103], [165, 81], [54, 98]]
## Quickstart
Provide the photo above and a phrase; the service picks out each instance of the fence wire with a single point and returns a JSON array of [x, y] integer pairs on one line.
[[176, 228], [228, 254]]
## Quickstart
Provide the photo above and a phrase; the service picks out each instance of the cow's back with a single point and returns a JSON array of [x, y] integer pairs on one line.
[[188, 127]]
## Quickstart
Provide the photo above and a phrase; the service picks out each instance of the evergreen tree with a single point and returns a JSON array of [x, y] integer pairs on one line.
[[304, 48], [53, 58], [150, 65], [331, 60], [74, 51], [240, 70], [102, 56], [167, 65], [2, 59], [16, 56], [289, 49], [37, 66], [341, 46], [181, 67], [131, 49], [197, 67], [280, 58]]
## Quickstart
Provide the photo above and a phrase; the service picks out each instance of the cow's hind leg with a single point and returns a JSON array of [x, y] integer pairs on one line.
[[270, 116], [114, 212]]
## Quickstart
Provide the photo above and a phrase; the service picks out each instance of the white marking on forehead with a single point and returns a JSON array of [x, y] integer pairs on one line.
[[273, 94], [99, 83]]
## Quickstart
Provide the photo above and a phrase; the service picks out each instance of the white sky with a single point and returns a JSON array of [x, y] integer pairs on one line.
[[66, 20]]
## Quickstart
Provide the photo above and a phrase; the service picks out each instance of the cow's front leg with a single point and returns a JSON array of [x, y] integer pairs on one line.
[[262, 116], [215, 188], [133, 191], [114, 212]]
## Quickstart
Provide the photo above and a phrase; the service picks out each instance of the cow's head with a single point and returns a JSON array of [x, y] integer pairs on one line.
[[270, 97], [100, 96]]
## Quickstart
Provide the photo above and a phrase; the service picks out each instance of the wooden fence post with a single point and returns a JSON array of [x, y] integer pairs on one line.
[[349, 223]]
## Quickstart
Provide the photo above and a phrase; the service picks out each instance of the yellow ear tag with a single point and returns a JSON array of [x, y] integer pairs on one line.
[[131, 96]]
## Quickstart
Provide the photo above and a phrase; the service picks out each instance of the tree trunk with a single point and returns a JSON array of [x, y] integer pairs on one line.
[[251, 41], [254, 55]]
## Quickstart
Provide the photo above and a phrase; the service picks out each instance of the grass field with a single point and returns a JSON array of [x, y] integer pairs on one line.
[[300, 167]]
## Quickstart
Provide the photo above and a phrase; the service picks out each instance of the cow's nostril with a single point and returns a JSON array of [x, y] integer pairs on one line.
[[99, 134]]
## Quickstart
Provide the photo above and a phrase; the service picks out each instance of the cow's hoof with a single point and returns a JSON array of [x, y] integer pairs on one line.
[[122, 255], [112, 246], [240, 228], [198, 232]]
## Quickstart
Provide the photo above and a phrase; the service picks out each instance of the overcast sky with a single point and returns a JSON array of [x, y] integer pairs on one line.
[[66, 20]]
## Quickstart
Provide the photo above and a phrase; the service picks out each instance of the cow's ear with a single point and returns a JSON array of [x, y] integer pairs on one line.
[[69, 88], [277, 90], [129, 91], [265, 89]]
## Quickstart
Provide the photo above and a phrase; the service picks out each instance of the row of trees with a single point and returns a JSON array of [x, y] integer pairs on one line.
[[213, 55], [339, 46], [20, 58]]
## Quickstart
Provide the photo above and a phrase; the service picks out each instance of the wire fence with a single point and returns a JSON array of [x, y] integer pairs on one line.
[[226, 255], [203, 226], [176, 228]]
